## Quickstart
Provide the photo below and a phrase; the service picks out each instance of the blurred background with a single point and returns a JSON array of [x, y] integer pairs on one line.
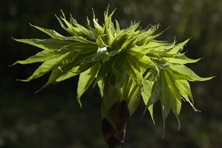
[[52, 118]]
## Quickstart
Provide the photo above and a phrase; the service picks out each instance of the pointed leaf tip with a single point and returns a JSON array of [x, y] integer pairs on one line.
[[80, 104], [22, 80]]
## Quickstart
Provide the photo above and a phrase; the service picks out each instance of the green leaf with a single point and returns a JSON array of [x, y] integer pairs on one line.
[[120, 72], [165, 90], [82, 30], [100, 53], [103, 71], [55, 74], [133, 69], [134, 99], [131, 94], [156, 92], [45, 67], [108, 28], [85, 80], [160, 51], [74, 60], [184, 89], [46, 44], [117, 29], [41, 56], [173, 95], [180, 59], [83, 48], [79, 39], [118, 42], [100, 42], [50, 32], [98, 29], [183, 72], [70, 73], [106, 66], [146, 93], [124, 63], [101, 86], [178, 47], [165, 101], [75, 31], [153, 74], [150, 45], [89, 63]]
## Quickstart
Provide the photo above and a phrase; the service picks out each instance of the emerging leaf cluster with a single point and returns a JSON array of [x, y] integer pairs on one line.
[[130, 58]]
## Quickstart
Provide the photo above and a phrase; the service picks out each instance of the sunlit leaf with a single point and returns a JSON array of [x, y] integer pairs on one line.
[[41, 57], [85, 80], [178, 47], [50, 32], [184, 89], [55, 74], [183, 72], [180, 59], [173, 95], [45, 67], [46, 44], [68, 74], [125, 64], [146, 93]]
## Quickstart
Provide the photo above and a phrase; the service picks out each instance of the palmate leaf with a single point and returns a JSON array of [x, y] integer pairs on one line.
[[124, 63], [165, 90], [45, 67], [172, 95], [170, 87], [183, 72], [184, 89]]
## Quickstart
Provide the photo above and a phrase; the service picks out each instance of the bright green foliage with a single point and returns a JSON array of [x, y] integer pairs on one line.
[[131, 59]]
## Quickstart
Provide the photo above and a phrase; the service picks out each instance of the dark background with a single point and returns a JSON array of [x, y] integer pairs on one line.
[[52, 118]]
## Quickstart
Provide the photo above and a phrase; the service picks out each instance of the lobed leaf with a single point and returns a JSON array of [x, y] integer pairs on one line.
[[173, 95], [50, 32], [133, 69], [178, 47], [125, 63], [68, 74], [105, 68], [45, 67], [180, 59], [85, 80], [183, 72], [46, 44], [40, 57], [146, 93]]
